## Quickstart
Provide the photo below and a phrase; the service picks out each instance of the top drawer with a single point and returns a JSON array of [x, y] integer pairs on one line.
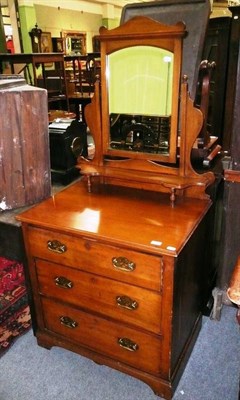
[[124, 265]]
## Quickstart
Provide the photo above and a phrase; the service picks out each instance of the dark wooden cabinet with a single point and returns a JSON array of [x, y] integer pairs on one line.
[[232, 117], [230, 234], [65, 138], [223, 46], [216, 50], [230, 238]]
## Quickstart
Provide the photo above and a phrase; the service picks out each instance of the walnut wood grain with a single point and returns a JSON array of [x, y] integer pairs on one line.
[[140, 218], [25, 163], [166, 246], [98, 294]]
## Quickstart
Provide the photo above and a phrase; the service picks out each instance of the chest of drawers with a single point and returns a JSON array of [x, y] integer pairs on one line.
[[116, 275]]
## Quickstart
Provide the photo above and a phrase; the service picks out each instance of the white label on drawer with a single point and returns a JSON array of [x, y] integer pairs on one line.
[[171, 248], [156, 243]]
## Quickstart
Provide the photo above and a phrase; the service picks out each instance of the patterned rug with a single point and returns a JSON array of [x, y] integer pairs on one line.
[[15, 318]]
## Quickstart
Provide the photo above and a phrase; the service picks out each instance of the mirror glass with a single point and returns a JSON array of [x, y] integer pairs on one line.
[[140, 82]]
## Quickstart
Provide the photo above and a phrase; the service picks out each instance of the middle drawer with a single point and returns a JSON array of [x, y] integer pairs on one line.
[[121, 301]]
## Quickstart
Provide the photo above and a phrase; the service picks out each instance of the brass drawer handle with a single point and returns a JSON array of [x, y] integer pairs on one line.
[[68, 322], [56, 246], [126, 302], [128, 344], [63, 282], [123, 264]]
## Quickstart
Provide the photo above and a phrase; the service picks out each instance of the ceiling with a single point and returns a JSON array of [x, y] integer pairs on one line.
[[118, 3], [110, 9], [115, 4], [92, 6]]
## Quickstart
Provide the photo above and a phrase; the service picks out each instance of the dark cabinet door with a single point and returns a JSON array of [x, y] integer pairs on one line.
[[216, 49]]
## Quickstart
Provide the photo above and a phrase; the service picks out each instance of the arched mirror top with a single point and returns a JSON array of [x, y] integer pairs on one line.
[[141, 30]]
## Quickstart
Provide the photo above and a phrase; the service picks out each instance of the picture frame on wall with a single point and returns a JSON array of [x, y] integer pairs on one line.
[[74, 42], [96, 44], [46, 45], [46, 42], [57, 44]]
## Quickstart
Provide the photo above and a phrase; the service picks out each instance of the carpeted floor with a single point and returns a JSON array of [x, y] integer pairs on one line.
[[15, 316]]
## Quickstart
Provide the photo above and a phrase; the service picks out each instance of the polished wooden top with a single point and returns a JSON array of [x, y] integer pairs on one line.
[[120, 216], [62, 114], [28, 58]]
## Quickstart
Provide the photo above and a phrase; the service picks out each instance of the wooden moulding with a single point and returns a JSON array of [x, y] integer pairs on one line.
[[232, 175]]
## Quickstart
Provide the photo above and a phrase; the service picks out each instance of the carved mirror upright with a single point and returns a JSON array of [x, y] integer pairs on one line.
[[142, 120]]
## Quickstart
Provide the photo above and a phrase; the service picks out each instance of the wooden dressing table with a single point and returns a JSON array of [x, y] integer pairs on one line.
[[116, 266]]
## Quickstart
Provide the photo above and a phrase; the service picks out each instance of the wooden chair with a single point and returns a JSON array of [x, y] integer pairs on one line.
[[92, 72]]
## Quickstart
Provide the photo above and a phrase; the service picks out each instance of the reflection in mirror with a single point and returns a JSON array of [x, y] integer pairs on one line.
[[140, 81]]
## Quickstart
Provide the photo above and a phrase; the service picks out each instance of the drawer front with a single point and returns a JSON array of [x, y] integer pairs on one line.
[[88, 255], [121, 343], [115, 299]]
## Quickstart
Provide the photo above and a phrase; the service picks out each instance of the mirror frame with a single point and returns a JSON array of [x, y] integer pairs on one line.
[[145, 171], [141, 32], [71, 36]]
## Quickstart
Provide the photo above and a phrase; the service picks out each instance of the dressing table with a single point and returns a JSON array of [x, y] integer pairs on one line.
[[116, 260]]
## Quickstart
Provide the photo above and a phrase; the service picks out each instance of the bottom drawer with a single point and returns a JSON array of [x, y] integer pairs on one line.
[[137, 349]]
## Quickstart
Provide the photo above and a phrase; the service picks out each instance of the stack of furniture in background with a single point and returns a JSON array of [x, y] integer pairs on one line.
[[68, 79], [55, 83]]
